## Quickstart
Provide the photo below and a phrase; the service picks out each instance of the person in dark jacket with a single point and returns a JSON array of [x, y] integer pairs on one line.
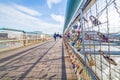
[[54, 36]]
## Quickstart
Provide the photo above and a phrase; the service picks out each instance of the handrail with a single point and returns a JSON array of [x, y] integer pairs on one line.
[[20, 31], [82, 61], [12, 30], [18, 40]]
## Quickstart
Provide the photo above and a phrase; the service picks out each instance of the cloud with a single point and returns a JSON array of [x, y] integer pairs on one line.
[[58, 18], [10, 17], [27, 10], [50, 2]]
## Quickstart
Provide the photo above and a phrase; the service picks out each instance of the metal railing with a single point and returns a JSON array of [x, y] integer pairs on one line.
[[100, 34], [11, 38]]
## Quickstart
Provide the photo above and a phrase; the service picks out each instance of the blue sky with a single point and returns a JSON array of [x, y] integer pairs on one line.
[[33, 15]]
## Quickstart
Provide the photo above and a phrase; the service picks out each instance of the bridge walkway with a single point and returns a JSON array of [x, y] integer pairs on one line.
[[46, 61]]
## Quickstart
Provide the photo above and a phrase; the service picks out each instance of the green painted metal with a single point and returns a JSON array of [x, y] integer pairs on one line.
[[71, 8], [35, 32], [31, 32], [11, 29]]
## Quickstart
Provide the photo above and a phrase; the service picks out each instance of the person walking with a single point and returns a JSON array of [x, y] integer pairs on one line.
[[54, 36]]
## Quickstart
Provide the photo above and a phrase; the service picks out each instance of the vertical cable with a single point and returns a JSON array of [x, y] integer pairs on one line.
[[100, 41], [107, 17]]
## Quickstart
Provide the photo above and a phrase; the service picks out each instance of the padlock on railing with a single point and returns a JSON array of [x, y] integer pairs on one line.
[[77, 67], [66, 46], [81, 70], [94, 20], [103, 37], [68, 36], [70, 51], [73, 37], [85, 19], [87, 37], [75, 26], [73, 31], [73, 65], [72, 58], [91, 62], [107, 58], [72, 43], [76, 38], [79, 45]]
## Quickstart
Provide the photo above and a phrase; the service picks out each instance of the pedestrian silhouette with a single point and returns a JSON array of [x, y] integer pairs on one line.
[[54, 36]]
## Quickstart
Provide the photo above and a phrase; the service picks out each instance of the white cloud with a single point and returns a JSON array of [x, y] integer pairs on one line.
[[58, 18], [27, 10], [50, 2], [12, 18]]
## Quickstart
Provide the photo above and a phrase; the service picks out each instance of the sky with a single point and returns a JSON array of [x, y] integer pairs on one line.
[[33, 15]]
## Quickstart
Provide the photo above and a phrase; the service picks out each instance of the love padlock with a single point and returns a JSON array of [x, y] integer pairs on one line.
[[75, 26], [77, 67], [73, 65], [107, 58], [91, 61], [94, 20], [72, 56], [73, 43], [81, 70], [87, 37], [103, 37], [79, 45]]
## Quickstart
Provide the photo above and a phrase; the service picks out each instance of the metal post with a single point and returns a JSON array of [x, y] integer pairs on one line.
[[81, 24]]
